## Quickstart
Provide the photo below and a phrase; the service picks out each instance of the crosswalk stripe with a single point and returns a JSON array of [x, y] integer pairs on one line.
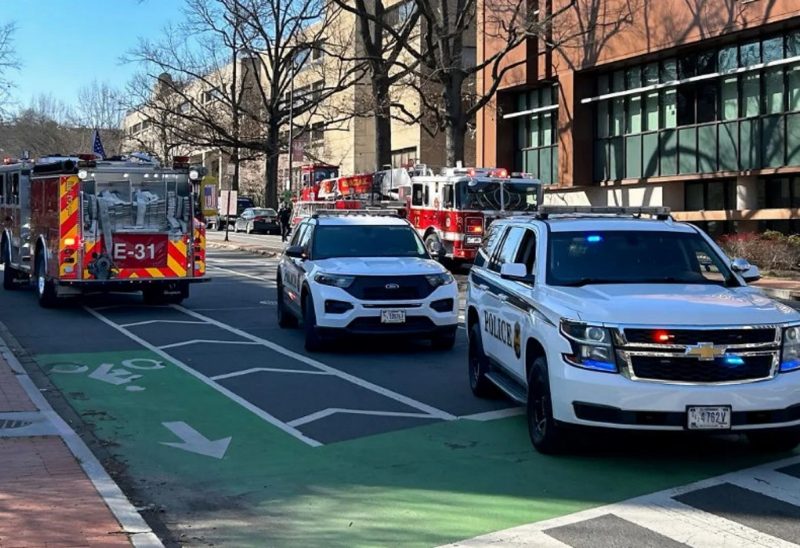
[[758, 506]]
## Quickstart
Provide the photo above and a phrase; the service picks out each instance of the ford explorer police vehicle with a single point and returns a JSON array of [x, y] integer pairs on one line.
[[623, 318], [364, 273]]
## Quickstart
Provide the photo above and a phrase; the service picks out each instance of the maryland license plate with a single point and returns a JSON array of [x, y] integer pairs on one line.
[[393, 316], [704, 417]]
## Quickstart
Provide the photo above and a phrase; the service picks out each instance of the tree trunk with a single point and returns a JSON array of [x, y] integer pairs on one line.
[[455, 122], [271, 171], [383, 122]]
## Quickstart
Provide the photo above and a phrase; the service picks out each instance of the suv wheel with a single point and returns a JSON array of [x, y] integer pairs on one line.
[[547, 437], [285, 318], [481, 386], [313, 342], [774, 440]]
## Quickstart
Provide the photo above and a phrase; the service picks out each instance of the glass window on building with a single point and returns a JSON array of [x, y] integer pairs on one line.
[[793, 87], [669, 108], [751, 94], [750, 54], [773, 49], [730, 98], [651, 110], [793, 44], [773, 91], [728, 59], [633, 109], [669, 71]]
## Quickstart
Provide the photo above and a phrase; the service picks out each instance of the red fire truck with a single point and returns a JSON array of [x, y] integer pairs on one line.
[[310, 177], [452, 210], [75, 225]]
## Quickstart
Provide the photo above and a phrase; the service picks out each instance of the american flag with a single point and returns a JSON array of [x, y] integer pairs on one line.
[[97, 145]]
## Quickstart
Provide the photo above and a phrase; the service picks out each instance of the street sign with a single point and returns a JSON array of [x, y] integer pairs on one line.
[[230, 169], [209, 193], [227, 202]]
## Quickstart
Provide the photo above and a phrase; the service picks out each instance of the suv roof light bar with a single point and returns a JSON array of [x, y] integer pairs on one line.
[[661, 213], [368, 212]]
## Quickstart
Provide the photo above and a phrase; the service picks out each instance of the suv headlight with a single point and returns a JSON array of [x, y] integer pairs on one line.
[[438, 280], [790, 349], [592, 346], [336, 280]]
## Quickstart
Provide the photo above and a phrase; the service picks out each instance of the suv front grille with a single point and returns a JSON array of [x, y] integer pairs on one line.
[[691, 370], [390, 288], [760, 335]]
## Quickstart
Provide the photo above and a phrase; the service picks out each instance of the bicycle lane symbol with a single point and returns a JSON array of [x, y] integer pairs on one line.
[[108, 373]]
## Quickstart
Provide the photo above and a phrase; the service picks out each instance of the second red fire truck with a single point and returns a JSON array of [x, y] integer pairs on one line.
[[75, 225]]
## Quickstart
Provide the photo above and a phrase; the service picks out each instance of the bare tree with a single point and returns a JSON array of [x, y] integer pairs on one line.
[[384, 33], [99, 106], [244, 105], [41, 128], [8, 63]]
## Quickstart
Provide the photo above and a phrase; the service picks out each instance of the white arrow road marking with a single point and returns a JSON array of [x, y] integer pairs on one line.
[[106, 373], [195, 442]]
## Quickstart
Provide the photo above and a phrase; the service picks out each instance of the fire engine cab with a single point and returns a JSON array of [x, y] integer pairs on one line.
[[452, 210], [75, 225]]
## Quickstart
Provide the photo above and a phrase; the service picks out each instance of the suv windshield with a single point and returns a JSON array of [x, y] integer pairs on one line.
[[332, 241], [627, 257], [485, 195]]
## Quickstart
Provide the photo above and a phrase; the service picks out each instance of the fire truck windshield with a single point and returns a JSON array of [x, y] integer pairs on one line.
[[483, 195]]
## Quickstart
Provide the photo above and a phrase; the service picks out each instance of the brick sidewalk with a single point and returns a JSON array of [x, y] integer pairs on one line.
[[46, 498]]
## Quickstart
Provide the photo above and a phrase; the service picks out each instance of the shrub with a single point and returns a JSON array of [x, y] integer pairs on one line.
[[770, 251]]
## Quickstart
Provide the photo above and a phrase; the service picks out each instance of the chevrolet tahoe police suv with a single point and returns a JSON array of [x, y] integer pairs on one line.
[[364, 273], [629, 320]]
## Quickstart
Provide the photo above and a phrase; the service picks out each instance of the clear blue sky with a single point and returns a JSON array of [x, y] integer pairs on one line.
[[65, 44]]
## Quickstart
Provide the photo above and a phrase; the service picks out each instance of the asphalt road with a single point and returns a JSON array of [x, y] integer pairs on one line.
[[225, 431]]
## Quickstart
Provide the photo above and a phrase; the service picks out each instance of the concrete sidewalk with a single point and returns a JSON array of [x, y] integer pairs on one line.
[[53, 491], [780, 288]]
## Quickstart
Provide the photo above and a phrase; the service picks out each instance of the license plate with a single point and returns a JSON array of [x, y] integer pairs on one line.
[[708, 417], [393, 316], [139, 250], [473, 240]]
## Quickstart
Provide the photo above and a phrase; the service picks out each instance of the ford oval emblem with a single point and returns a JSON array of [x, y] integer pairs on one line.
[[392, 286]]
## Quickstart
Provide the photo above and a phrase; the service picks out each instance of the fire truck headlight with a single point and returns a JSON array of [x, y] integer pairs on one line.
[[335, 280], [438, 280], [82, 174]]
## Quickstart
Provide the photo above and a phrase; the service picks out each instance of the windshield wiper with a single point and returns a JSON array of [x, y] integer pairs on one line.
[[587, 281]]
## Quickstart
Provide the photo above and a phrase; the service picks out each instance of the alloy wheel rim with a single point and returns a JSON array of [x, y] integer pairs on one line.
[[539, 414], [40, 284]]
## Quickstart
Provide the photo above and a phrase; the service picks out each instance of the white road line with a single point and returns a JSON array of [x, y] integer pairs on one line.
[[262, 279], [663, 514], [139, 533], [494, 415], [203, 341], [772, 484], [334, 410], [266, 370], [437, 413], [204, 379], [148, 322], [131, 305]]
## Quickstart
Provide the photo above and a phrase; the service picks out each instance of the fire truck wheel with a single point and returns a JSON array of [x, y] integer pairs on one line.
[[285, 318], [313, 342], [45, 289], [434, 246]]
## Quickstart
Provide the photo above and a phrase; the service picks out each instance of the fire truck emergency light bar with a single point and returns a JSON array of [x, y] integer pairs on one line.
[[661, 213], [377, 212]]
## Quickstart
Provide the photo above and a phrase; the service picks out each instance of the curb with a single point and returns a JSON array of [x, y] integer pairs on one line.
[[139, 532]]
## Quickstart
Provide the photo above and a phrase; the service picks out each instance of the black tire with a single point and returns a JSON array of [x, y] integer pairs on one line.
[[432, 242], [778, 441], [313, 342], [444, 341], [546, 435], [478, 366], [10, 275], [45, 288], [285, 318]]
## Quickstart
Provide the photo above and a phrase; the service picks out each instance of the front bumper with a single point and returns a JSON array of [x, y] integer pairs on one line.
[[364, 318], [590, 398]]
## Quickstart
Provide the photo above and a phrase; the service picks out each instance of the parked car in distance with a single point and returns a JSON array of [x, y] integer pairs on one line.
[[258, 219]]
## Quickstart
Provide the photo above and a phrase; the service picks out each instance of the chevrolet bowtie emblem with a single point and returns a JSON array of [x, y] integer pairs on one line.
[[705, 351]]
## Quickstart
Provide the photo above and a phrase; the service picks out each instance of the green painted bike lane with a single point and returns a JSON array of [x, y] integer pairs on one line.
[[418, 487]]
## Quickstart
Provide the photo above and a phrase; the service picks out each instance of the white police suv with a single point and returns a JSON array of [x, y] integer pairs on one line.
[[363, 273], [602, 317]]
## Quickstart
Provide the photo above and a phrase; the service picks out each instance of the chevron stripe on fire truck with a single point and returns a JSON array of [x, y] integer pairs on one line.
[[176, 263], [69, 188], [199, 249]]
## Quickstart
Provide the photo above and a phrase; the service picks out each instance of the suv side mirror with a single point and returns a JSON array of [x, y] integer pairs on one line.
[[747, 271], [515, 271], [296, 252]]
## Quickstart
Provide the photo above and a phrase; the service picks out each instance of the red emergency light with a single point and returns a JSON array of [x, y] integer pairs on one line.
[[501, 173], [661, 336]]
